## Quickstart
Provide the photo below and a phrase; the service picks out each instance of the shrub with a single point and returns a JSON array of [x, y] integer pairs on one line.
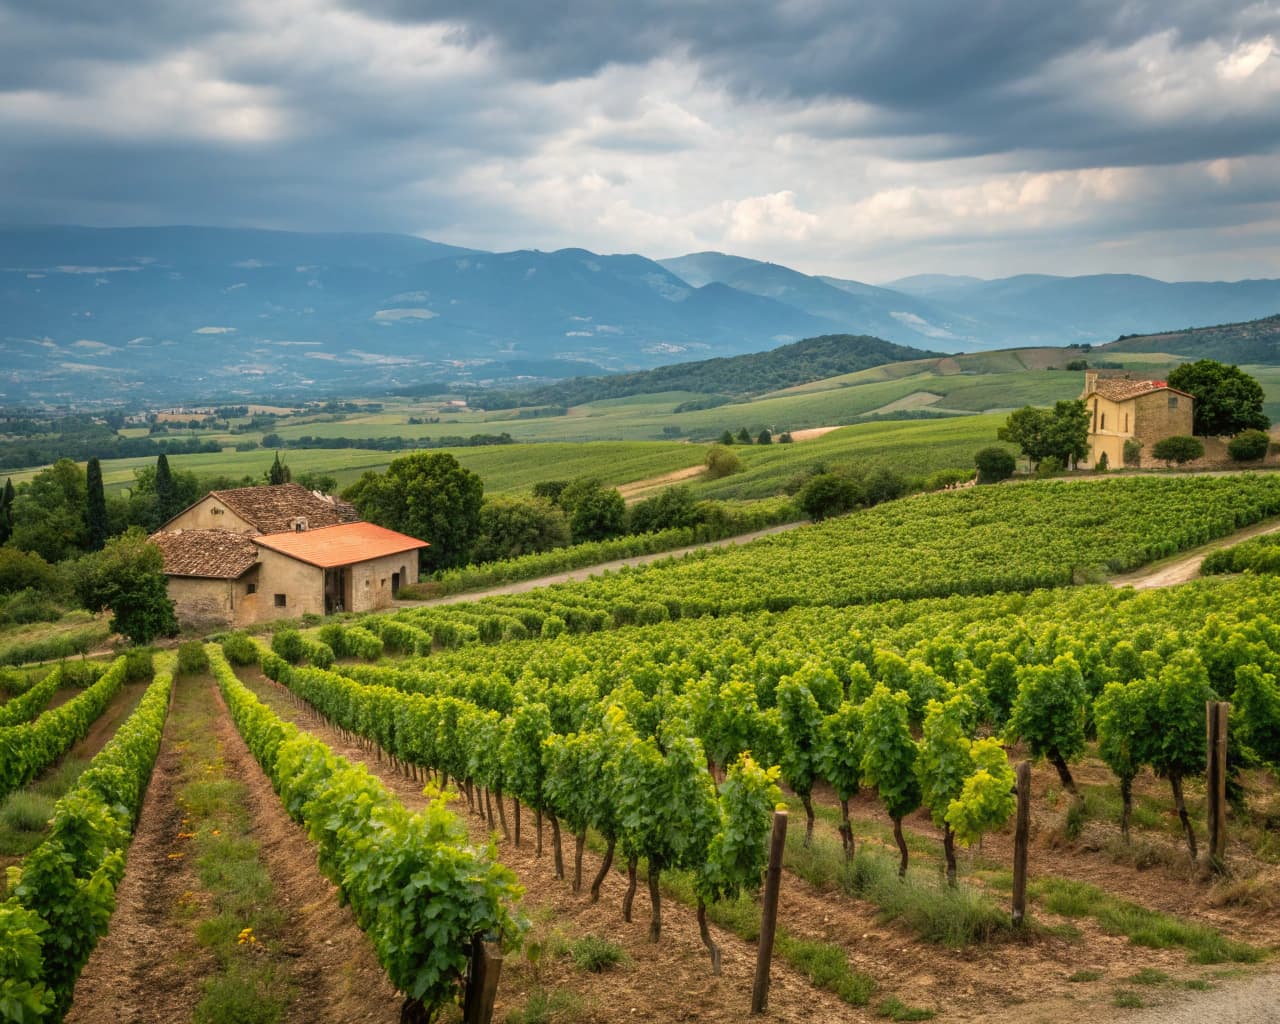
[[1103, 464], [1249, 446], [288, 644], [192, 659], [1132, 452], [1179, 448], [591, 953], [239, 649], [137, 664], [335, 636], [363, 644], [826, 495], [721, 462], [994, 464]]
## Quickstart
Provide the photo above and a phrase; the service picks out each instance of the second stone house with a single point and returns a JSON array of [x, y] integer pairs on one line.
[[257, 553], [1124, 409]]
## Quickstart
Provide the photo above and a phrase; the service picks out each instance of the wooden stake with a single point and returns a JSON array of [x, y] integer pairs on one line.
[[482, 981], [769, 914], [1021, 837], [1216, 715]]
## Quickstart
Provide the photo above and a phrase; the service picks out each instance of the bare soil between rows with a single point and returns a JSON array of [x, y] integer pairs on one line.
[[149, 968]]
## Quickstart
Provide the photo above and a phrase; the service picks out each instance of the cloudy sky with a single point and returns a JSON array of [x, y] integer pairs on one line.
[[864, 139]]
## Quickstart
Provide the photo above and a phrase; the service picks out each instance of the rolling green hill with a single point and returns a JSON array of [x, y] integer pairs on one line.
[[1251, 342]]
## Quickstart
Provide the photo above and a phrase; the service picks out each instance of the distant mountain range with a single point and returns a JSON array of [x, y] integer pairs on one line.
[[184, 312]]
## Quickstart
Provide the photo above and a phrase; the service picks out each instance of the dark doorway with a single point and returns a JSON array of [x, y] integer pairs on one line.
[[335, 588]]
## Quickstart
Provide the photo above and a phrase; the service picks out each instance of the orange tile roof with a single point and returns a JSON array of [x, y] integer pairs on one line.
[[346, 544]]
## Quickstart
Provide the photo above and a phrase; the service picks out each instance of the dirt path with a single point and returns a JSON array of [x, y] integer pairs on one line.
[[637, 489], [670, 981], [149, 969], [1186, 567], [595, 570]]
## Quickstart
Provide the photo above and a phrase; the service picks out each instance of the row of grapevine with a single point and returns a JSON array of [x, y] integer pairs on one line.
[[61, 899], [965, 542], [584, 765], [417, 887], [29, 748], [1035, 667], [31, 703]]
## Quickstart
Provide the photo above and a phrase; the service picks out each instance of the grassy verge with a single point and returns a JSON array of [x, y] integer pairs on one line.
[[235, 916], [1143, 927], [25, 814]]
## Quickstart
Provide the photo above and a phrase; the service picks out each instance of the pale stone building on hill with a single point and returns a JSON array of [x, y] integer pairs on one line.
[[257, 553], [1123, 409]]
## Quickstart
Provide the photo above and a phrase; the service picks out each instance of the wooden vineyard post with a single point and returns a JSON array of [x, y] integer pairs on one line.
[[1216, 713], [482, 981], [769, 913], [1021, 837]]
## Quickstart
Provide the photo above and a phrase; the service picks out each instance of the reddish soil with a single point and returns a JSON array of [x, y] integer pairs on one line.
[[149, 969]]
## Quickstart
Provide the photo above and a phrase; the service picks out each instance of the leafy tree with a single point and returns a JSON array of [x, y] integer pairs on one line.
[[765, 437], [1048, 714], [1227, 400], [1120, 714], [994, 464], [127, 576], [278, 472], [1061, 432], [1179, 449], [721, 462], [884, 484], [944, 765], [828, 494], [427, 495], [785, 437], [96, 501], [510, 527], [738, 853], [550, 490], [1249, 446], [840, 753], [726, 437], [49, 513], [801, 721], [889, 759], [1175, 749], [25, 570], [599, 515], [744, 436], [670, 509]]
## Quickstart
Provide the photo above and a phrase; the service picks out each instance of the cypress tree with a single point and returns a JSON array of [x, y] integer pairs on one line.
[[279, 472], [6, 510], [166, 491], [96, 512]]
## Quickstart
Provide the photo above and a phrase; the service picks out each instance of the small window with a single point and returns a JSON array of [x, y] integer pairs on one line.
[[280, 602], [1126, 423], [251, 588], [1173, 401], [215, 511], [1104, 421]]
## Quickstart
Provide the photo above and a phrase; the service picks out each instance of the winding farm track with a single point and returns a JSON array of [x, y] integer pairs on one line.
[[1185, 567]]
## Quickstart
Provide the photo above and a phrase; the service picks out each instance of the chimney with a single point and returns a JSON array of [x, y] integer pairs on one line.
[[1090, 380]]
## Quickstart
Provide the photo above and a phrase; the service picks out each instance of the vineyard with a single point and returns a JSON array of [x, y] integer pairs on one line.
[[584, 777]]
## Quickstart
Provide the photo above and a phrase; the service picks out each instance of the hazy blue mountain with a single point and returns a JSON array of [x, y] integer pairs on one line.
[[181, 312], [887, 314]]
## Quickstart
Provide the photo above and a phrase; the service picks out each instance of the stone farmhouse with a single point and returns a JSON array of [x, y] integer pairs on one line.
[[1122, 409], [252, 554]]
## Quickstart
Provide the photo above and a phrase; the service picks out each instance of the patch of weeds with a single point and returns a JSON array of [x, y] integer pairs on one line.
[[1087, 975], [827, 966], [1075, 820], [895, 1009], [1148, 976], [237, 997], [592, 953], [544, 1006], [1197, 984], [1127, 1000], [1143, 927]]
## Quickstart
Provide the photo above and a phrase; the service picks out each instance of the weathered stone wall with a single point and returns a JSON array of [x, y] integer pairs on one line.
[[1156, 418], [371, 581]]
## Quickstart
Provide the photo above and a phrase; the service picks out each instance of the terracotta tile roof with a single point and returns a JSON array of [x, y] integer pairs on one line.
[[272, 508], [1119, 389], [340, 545], [213, 554]]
